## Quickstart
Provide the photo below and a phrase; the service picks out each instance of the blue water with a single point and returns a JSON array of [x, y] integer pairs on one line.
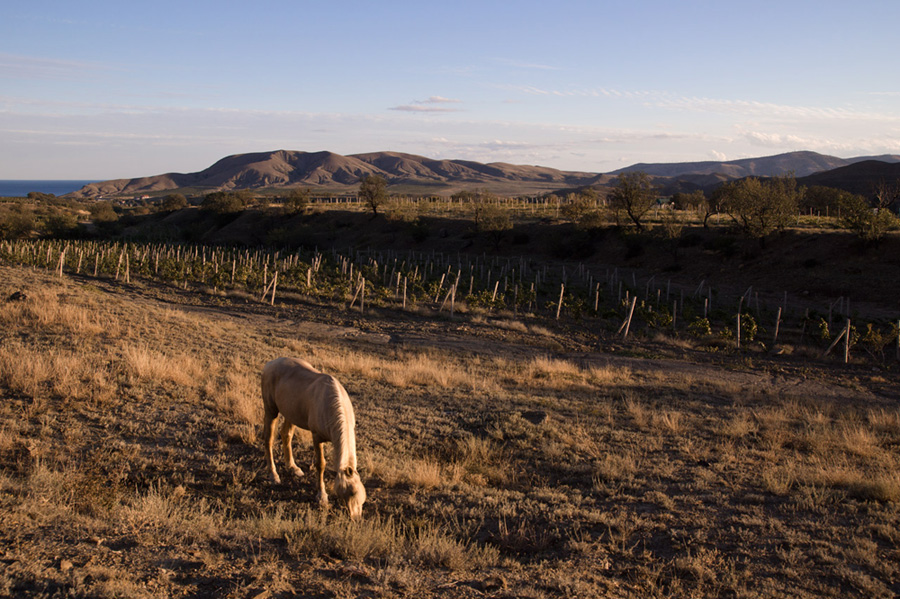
[[20, 188]]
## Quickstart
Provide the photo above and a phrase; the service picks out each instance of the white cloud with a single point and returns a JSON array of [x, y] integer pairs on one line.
[[422, 108], [437, 100], [431, 104]]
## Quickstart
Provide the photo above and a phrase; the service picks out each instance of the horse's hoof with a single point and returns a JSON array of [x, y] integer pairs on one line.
[[297, 472], [323, 501], [276, 479]]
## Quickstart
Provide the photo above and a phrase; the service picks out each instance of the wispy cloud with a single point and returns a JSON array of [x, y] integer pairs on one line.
[[33, 67], [437, 100], [699, 104], [519, 64], [432, 104], [769, 109]]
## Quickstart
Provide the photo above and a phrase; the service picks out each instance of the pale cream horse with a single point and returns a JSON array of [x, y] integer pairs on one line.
[[318, 403]]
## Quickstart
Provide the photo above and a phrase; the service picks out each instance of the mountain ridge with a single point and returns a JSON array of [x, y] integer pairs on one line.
[[328, 171], [801, 164], [861, 177]]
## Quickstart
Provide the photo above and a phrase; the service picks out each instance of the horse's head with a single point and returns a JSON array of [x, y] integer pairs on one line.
[[349, 489]]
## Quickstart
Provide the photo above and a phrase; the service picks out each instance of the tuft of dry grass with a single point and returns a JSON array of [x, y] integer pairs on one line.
[[54, 309], [56, 373], [423, 473], [147, 365], [739, 426], [170, 515], [614, 469]]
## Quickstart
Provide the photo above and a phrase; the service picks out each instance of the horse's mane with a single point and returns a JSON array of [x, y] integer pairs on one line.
[[341, 425]]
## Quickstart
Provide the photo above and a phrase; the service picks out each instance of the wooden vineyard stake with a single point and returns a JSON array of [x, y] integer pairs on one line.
[[626, 326], [437, 295], [777, 323], [119, 265], [361, 293], [453, 300], [845, 335], [847, 343], [274, 285], [562, 290], [62, 260], [446, 299]]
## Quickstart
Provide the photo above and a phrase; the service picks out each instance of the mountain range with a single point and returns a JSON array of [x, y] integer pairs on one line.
[[409, 173]]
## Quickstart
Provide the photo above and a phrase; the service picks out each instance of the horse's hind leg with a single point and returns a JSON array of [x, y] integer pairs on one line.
[[287, 434], [269, 440], [319, 451]]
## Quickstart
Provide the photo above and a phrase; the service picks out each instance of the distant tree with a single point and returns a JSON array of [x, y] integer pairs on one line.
[[61, 224], [494, 221], [37, 196], [672, 229], [482, 202], [174, 202], [887, 195], [373, 191], [103, 212], [222, 202], [245, 196], [297, 201], [464, 196], [581, 208], [634, 193], [16, 225], [714, 203], [760, 207], [696, 200], [870, 222]]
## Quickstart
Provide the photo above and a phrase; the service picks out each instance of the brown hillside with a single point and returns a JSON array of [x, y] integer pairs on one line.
[[409, 173], [860, 178], [327, 170]]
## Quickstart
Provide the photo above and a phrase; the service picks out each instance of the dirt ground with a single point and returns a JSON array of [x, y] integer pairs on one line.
[[501, 459]]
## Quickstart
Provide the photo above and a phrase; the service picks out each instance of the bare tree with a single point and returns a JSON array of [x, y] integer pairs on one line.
[[635, 194], [373, 190]]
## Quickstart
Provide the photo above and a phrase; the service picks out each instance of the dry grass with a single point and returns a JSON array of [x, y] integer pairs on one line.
[[143, 365], [130, 465]]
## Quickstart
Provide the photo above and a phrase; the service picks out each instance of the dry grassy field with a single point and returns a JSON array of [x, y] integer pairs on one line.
[[501, 459]]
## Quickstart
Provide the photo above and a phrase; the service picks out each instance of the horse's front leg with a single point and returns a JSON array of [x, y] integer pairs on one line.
[[319, 451], [287, 435]]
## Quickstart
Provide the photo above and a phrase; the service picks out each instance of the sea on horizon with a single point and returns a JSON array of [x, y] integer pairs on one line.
[[18, 188]]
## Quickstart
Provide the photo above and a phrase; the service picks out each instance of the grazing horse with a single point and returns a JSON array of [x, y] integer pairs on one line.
[[318, 403]]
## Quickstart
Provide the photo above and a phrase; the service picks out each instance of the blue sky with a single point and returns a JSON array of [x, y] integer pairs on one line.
[[101, 90]]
